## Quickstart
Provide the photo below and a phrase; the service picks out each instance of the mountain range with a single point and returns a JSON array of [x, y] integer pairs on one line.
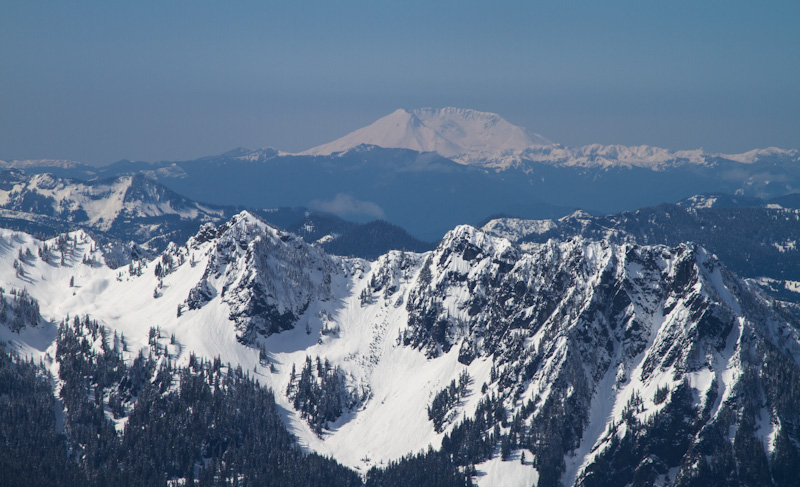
[[130, 212], [485, 139], [755, 238], [137, 210], [130, 207], [569, 362], [428, 170], [217, 321]]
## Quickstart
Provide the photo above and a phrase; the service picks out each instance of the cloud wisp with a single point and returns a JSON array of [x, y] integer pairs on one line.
[[345, 205]]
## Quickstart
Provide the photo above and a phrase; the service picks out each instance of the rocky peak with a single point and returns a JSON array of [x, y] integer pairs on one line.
[[266, 276]]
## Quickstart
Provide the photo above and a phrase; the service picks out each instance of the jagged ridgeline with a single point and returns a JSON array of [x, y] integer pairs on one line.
[[573, 362], [754, 238], [133, 213], [618, 365], [126, 208], [267, 277]]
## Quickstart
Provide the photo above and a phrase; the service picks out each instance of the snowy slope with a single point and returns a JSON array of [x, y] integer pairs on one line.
[[573, 340], [98, 203], [771, 259], [127, 303], [129, 207]]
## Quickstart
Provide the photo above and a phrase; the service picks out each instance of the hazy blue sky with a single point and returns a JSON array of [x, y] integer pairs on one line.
[[105, 80]]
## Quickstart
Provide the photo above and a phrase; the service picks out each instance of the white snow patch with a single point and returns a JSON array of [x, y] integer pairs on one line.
[[511, 473]]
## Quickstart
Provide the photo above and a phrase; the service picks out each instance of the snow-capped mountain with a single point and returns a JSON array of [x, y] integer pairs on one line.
[[131, 207], [99, 203], [248, 262], [29, 163], [572, 362], [763, 246], [643, 156], [135, 208], [486, 140], [429, 170], [459, 134], [605, 156], [583, 336], [423, 193]]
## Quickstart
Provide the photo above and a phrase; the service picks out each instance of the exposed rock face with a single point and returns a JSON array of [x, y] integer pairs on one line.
[[612, 352], [267, 277], [604, 363]]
